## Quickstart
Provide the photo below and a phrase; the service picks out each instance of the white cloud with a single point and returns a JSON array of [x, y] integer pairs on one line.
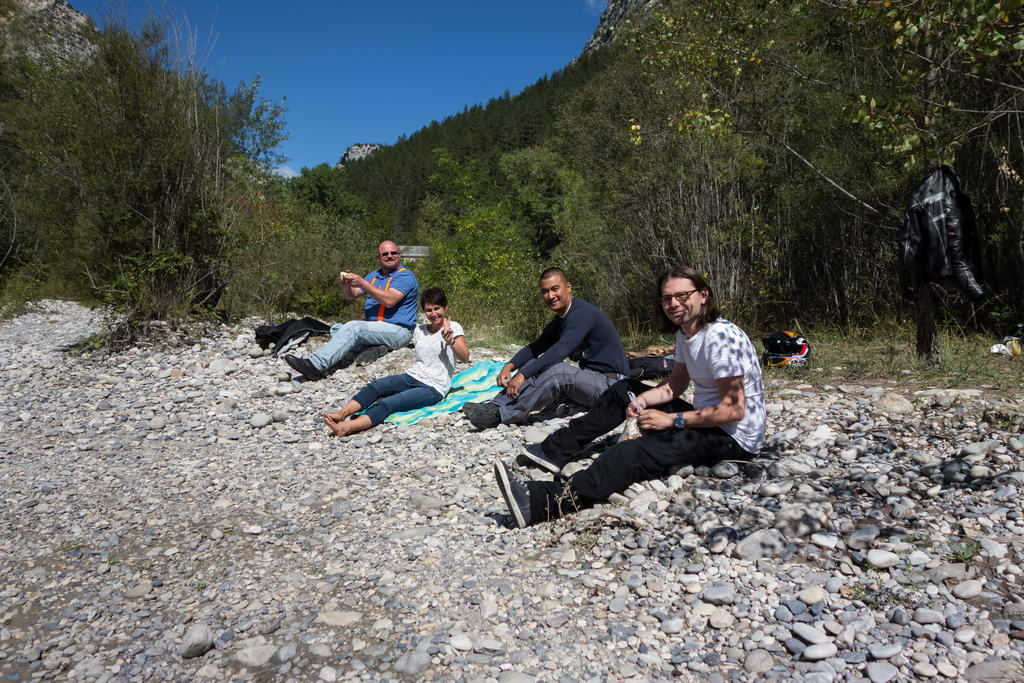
[[286, 172], [596, 6]]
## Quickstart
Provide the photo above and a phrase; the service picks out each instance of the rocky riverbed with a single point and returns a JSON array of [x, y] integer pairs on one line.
[[176, 512]]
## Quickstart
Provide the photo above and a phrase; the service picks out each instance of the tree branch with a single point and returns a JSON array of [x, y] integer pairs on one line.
[[828, 180], [966, 73]]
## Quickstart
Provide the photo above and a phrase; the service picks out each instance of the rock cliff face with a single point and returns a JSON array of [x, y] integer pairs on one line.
[[614, 16], [56, 28], [358, 151]]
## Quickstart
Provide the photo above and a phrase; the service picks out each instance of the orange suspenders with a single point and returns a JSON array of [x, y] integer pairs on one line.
[[387, 286]]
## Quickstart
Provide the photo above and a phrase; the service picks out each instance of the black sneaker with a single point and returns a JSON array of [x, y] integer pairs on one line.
[[532, 455], [482, 415], [304, 368], [515, 493]]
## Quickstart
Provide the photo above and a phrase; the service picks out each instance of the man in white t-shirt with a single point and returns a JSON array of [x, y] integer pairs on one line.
[[726, 420]]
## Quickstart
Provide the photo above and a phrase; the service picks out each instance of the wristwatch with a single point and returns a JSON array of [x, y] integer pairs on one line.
[[679, 422]]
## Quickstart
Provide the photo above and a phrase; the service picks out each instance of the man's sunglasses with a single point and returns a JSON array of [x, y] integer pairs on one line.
[[390, 253]]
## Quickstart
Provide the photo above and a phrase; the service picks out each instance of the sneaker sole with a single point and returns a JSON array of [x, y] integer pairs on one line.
[[501, 474], [540, 462], [303, 373]]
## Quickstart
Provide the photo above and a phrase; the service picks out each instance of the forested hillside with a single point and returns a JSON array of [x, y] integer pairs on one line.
[[771, 144]]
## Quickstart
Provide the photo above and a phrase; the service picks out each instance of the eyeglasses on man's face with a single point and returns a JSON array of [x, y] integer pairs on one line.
[[389, 253], [681, 297]]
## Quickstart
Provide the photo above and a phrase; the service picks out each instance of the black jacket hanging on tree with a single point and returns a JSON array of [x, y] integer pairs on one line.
[[940, 238]]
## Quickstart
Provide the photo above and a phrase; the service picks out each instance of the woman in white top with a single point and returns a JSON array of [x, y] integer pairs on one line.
[[438, 343]]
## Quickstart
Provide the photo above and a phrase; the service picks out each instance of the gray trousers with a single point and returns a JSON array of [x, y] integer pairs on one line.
[[563, 382]]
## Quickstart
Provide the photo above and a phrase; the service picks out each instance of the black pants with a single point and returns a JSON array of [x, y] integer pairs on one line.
[[652, 456]]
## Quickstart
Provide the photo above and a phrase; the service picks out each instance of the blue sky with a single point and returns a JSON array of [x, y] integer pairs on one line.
[[372, 70]]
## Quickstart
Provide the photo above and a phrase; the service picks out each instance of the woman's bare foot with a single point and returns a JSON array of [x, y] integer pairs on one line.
[[338, 426]]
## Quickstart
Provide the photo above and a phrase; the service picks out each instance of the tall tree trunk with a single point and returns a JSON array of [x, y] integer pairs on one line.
[[927, 296], [927, 329]]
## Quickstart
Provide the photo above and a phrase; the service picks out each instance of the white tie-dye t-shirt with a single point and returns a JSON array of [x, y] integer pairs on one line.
[[721, 350]]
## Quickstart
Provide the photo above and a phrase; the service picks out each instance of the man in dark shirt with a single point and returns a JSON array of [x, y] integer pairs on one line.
[[579, 330]]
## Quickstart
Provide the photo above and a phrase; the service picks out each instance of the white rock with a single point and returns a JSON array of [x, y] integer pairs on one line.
[[260, 420], [815, 653], [829, 541], [461, 642], [197, 642], [967, 589], [808, 633], [255, 655], [895, 404], [223, 365], [821, 436], [883, 559], [721, 618], [336, 618]]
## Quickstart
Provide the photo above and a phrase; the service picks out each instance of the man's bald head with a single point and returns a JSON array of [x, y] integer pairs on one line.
[[388, 255]]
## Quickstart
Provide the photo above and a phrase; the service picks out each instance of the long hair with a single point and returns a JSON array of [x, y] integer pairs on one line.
[[710, 312]]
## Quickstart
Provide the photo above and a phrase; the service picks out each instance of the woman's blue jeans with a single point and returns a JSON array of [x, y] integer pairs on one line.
[[393, 394]]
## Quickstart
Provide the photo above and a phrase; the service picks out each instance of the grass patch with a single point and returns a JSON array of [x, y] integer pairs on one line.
[[584, 533], [887, 352], [492, 336], [12, 309], [71, 546], [584, 541], [876, 596], [89, 344], [963, 551]]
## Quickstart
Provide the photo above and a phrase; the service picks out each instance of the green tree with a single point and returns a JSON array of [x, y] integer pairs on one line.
[[327, 188], [482, 255], [124, 159]]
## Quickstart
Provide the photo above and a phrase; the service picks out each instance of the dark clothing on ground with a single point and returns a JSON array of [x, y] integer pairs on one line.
[[585, 335], [281, 334], [653, 456]]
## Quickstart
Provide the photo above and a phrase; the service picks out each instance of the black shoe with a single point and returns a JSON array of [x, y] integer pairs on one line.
[[304, 368], [532, 455], [515, 493], [482, 415]]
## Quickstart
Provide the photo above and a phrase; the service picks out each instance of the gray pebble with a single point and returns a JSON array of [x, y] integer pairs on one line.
[[881, 672], [719, 594], [197, 642], [820, 651], [260, 420], [885, 651]]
